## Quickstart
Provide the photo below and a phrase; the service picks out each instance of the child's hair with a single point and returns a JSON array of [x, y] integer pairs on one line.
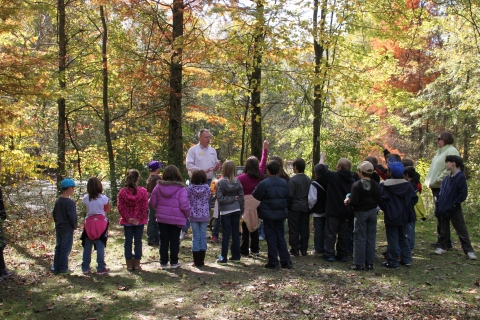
[[273, 167], [395, 156], [409, 171], [282, 174], [407, 162], [252, 168], [344, 164], [447, 138], [94, 188], [367, 174], [131, 180], [171, 173], [198, 177], [299, 163], [228, 170], [458, 161], [373, 160]]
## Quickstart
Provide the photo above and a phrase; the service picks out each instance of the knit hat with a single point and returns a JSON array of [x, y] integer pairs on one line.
[[396, 168], [67, 183], [366, 167], [316, 169], [154, 165]]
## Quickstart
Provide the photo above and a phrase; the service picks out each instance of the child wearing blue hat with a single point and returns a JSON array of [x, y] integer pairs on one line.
[[65, 217]]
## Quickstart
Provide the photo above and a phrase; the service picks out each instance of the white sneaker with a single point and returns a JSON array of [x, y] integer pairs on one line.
[[182, 235], [471, 256], [440, 251], [175, 265]]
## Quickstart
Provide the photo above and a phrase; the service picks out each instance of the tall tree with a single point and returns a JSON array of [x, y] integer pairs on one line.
[[61, 103]]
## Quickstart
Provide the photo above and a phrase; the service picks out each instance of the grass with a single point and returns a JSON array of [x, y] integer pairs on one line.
[[435, 287]]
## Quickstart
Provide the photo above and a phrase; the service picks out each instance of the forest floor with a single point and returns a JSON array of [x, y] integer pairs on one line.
[[434, 287]]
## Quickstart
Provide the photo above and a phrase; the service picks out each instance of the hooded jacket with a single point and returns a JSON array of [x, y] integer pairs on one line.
[[452, 193], [365, 195], [133, 205], [437, 171], [398, 201], [226, 192], [199, 200], [170, 200], [339, 185]]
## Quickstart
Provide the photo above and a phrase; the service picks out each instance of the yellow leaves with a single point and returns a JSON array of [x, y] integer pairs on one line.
[[199, 115]]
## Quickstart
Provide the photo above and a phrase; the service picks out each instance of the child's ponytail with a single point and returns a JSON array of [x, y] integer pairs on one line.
[[131, 180]]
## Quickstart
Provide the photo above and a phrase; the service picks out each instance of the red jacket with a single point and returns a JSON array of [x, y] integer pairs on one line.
[[133, 205]]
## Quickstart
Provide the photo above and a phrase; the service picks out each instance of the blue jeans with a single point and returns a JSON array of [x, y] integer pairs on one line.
[[134, 233], [261, 232], [230, 226], [152, 226], [397, 238], [411, 235], [199, 236], [186, 227], [364, 237], [216, 227], [319, 224], [169, 239], [63, 247], [87, 255]]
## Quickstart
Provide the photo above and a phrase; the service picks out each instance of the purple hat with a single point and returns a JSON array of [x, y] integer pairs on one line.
[[154, 165]]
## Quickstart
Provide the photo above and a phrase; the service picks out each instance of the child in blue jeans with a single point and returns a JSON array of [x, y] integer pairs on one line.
[[96, 225]]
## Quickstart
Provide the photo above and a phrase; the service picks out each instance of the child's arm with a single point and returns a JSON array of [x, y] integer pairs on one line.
[[263, 162], [241, 199], [221, 198], [323, 155], [106, 207], [312, 196], [184, 203]]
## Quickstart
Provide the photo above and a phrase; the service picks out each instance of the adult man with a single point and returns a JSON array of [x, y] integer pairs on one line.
[[202, 156]]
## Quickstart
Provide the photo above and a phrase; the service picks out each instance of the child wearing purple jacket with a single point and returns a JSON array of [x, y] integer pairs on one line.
[[170, 200], [199, 200]]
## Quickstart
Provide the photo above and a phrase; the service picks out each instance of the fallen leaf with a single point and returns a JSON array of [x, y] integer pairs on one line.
[[306, 311], [123, 288], [179, 300]]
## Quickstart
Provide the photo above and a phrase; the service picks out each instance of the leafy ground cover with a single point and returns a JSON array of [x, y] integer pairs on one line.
[[434, 287]]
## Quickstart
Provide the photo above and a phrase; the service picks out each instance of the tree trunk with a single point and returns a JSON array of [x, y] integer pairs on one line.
[[244, 131], [106, 112], [256, 82], [62, 66], [318, 88], [175, 138]]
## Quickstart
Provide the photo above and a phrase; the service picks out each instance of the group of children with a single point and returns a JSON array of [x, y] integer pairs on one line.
[[334, 198]]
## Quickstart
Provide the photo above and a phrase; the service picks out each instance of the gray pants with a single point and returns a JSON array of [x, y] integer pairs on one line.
[[458, 222], [152, 227], [364, 237]]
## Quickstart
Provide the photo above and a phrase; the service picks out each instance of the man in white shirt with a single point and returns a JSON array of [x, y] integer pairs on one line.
[[202, 156]]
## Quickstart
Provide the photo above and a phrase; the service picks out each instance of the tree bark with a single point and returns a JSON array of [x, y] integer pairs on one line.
[[61, 103], [256, 82], [175, 138], [106, 111]]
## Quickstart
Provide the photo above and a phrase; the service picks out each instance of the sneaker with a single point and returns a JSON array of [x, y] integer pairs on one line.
[[8, 273], [182, 235], [304, 253], [405, 264], [222, 260], [104, 271], [87, 271], [440, 251], [164, 266], [385, 264], [357, 267], [270, 265], [256, 254], [175, 265], [293, 253], [471, 256], [65, 272], [234, 260], [287, 265], [369, 267], [329, 259], [153, 244], [215, 239], [341, 258]]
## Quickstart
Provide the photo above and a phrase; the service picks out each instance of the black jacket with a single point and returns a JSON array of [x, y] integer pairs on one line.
[[398, 201], [339, 185], [273, 194], [452, 193], [365, 195]]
